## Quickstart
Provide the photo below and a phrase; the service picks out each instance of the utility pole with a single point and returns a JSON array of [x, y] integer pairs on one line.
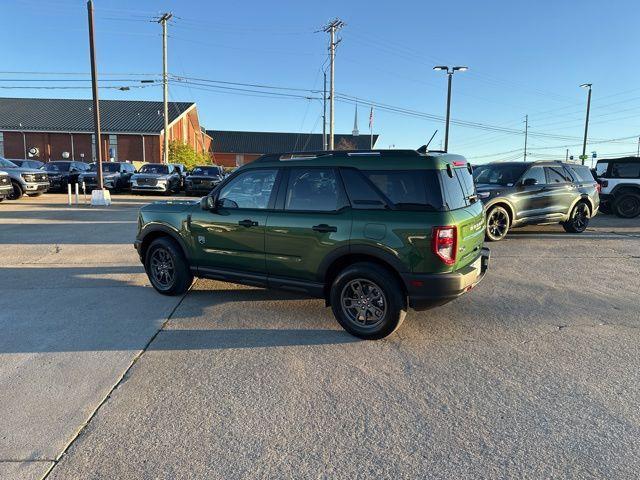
[[165, 86], [566, 156], [324, 113], [583, 157], [94, 90], [526, 134], [331, 29], [638, 154]]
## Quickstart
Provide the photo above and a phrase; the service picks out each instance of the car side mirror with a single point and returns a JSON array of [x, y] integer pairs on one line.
[[528, 182], [208, 203]]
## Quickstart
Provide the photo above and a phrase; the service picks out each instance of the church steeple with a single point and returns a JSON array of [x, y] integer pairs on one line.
[[355, 132]]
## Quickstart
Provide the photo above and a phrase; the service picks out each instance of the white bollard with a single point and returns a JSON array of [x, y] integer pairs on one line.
[[77, 193], [84, 192], [69, 193]]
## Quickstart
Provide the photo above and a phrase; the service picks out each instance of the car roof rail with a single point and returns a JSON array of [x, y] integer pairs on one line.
[[293, 156]]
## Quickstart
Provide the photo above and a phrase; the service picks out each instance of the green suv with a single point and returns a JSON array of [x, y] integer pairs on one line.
[[371, 232]]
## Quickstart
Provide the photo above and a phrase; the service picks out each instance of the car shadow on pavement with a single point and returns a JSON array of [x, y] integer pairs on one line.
[[219, 339]]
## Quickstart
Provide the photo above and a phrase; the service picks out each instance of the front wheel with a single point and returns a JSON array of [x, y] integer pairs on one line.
[[368, 301], [497, 224], [17, 191], [578, 220], [167, 267], [628, 205]]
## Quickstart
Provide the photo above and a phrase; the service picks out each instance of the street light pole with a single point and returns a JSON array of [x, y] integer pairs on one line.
[[586, 123], [449, 72], [331, 29]]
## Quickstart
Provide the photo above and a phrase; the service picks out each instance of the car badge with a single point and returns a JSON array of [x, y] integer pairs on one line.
[[201, 239]]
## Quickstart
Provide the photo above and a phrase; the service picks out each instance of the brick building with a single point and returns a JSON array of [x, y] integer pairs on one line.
[[131, 129], [234, 148]]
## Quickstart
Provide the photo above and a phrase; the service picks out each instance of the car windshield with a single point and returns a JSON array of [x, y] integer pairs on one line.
[[157, 169], [106, 167], [6, 163], [497, 174], [207, 171], [56, 167]]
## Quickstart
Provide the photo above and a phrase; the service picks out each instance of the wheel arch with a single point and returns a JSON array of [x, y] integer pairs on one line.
[[626, 187], [342, 258], [153, 232]]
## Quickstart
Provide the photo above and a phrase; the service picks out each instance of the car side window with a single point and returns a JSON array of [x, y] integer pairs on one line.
[[361, 194], [556, 175], [625, 170], [314, 189], [251, 189], [537, 173]]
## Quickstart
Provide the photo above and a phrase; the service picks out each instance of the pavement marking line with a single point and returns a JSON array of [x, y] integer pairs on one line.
[[115, 385], [594, 236]]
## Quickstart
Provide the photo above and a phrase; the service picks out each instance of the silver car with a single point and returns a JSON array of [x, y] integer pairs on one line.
[[156, 177], [24, 181]]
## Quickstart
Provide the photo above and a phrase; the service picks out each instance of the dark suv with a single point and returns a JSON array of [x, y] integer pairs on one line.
[[116, 176], [203, 179], [64, 172], [371, 232], [517, 194]]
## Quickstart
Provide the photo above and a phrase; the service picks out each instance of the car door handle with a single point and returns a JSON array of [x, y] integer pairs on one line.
[[247, 223], [324, 228]]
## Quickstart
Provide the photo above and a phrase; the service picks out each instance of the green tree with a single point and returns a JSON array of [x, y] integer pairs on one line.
[[182, 153]]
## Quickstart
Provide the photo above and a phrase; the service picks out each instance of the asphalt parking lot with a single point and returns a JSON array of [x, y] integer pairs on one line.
[[534, 374]]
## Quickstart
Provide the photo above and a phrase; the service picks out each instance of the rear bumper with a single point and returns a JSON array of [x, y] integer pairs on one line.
[[430, 290]]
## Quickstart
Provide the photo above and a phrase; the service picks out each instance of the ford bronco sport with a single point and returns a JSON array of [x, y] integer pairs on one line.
[[371, 232]]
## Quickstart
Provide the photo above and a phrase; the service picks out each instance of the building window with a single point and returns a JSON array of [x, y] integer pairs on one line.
[[93, 148], [1, 144], [113, 148]]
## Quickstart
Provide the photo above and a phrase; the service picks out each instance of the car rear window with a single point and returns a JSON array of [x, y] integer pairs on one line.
[[581, 173], [458, 189], [408, 189]]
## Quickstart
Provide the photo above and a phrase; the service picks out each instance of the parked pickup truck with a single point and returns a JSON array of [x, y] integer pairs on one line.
[[25, 181]]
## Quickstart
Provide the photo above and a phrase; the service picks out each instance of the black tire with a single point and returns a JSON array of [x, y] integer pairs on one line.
[[167, 267], [627, 205], [578, 219], [385, 299], [17, 191], [498, 224]]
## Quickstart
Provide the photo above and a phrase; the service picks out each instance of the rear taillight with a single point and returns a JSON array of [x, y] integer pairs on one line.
[[598, 187], [445, 243]]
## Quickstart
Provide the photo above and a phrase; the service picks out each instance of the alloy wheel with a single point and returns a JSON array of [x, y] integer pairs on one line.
[[162, 268], [498, 224], [581, 217], [363, 303]]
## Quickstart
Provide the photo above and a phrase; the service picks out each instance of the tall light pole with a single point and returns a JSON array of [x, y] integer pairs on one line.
[[165, 86], [583, 157], [96, 103], [331, 28], [324, 113], [526, 135], [449, 71]]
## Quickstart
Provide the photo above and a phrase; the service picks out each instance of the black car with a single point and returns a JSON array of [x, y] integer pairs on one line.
[[203, 179], [37, 164], [518, 193], [116, 176], [64, 172]]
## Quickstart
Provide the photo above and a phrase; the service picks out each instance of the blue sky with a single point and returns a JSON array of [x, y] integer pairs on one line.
[[523, 58]]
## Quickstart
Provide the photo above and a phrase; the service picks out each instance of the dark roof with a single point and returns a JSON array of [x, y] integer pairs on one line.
[[64, 115], [226, 141]]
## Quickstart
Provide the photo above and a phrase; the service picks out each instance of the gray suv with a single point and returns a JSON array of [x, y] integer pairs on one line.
[[25, 181], [5, 185]]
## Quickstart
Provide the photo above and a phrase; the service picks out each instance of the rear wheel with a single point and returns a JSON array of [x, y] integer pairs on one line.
[[167, 267], [497, 224], [368, 301], [627, 205], [579, 219], [17, 191]]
